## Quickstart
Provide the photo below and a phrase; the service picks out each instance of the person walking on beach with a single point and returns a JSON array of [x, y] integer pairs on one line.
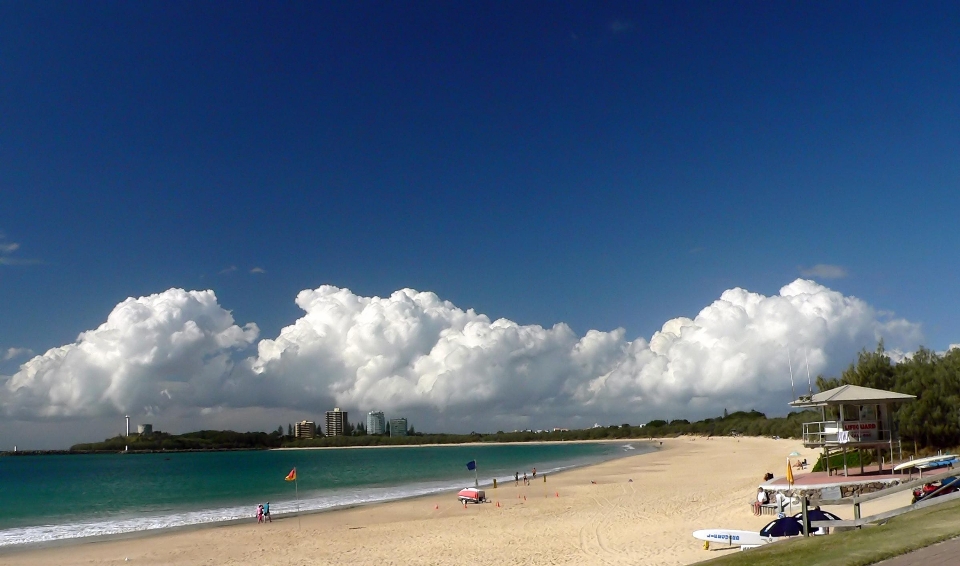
[[525, 480], [259, 512], [266, 512], [516, 479], [534, 473]]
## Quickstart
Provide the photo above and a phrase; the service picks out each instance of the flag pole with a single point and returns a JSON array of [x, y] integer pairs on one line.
[[296, 489], [476, 477]]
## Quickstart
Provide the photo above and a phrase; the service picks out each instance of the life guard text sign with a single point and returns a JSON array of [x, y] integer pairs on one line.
[[862, 431]]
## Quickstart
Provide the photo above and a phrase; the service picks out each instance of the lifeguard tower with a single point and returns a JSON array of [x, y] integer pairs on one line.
[[864, 421]]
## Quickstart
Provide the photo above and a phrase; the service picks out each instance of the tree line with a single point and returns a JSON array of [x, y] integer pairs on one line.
[[749, 423], [199, 440]]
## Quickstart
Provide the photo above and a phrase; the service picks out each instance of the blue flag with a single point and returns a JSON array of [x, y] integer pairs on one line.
[[472, 465]]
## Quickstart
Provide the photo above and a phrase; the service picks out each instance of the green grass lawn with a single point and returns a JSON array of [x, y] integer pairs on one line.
[[900, 535]]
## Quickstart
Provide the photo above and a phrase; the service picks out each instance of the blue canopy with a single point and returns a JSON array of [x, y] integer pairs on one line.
[[817, 515], [785, 527]]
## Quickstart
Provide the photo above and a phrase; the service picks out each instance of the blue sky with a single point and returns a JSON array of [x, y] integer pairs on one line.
[[603, 165]]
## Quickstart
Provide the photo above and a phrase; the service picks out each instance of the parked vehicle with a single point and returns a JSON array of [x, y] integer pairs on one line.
[[471, 495]]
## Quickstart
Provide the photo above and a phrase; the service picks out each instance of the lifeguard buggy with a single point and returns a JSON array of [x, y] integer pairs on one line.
[[471, 495]]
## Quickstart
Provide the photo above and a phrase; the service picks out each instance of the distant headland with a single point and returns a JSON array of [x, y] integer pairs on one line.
[[750, 423]]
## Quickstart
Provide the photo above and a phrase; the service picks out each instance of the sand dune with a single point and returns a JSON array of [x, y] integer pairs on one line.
[[690, 483]]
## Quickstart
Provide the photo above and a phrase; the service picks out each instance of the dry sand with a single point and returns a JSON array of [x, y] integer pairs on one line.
[[691, 483]]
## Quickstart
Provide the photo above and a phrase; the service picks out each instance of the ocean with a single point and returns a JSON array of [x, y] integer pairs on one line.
[[56, 497]]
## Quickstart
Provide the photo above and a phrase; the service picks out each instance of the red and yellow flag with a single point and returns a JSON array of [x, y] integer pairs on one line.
[[292, 475]]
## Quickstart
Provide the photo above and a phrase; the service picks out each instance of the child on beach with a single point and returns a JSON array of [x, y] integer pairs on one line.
[[259, 512]]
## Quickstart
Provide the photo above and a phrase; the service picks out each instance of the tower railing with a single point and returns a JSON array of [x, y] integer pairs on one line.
[[832, 433]]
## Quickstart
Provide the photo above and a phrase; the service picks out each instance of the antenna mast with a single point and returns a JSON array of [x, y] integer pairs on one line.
[[809, 384], [793, 390]]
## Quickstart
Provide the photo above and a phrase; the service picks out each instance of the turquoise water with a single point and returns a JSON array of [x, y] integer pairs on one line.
[[57, 497]]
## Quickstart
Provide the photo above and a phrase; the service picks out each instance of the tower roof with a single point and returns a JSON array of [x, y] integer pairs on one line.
[[852, 395]]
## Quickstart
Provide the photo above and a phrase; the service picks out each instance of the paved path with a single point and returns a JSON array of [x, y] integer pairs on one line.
[[946, 553]]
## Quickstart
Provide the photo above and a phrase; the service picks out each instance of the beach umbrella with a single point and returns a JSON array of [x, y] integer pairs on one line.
[[785, 527], [817, 515], [789, 473], [794, 454]]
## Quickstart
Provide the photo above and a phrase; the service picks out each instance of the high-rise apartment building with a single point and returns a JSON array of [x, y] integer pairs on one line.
[[305, 429], [336, 421], [375, 423], [398, 427]]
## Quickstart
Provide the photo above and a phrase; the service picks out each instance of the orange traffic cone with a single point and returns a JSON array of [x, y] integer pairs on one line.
[[557, 494], [498, 504], [436, 506]]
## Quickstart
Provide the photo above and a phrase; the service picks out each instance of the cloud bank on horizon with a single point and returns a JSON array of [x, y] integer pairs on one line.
[[413, 353]]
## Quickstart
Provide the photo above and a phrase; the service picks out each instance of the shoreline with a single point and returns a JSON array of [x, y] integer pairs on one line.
[[152, 532], [451, 444], [638, 509], [19, 453]]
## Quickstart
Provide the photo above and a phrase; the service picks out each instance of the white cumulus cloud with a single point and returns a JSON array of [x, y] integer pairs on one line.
[[419, 355], [445, 368], [176, 341]]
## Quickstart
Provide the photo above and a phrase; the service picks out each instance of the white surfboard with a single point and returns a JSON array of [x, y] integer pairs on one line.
[[732, 537], [924, 461]]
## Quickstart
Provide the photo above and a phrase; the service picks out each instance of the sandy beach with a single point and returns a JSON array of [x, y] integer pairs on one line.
[[690, 483]]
